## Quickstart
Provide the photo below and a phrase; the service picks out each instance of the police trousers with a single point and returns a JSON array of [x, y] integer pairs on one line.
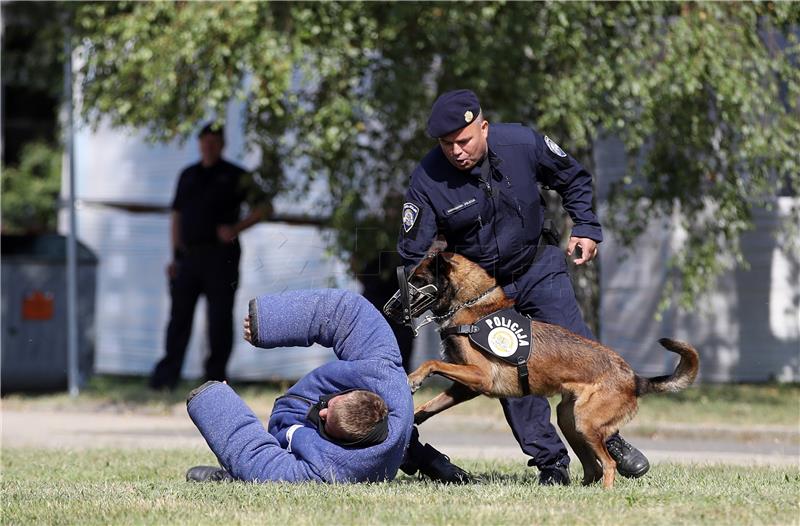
[[544, 292], [215, 274]]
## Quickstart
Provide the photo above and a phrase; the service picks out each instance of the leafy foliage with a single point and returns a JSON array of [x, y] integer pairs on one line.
[[31, 189], [33, 46], [703, 95]]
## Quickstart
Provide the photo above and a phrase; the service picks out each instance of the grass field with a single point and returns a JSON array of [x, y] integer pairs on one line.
[[127, 487], [103, 486]]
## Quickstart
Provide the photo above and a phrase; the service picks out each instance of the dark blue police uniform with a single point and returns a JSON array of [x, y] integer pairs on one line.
[[494, 215], [206, 197]]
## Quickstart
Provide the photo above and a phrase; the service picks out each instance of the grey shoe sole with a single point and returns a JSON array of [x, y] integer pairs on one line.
[[197, 390], [207, 474], [252, 312]]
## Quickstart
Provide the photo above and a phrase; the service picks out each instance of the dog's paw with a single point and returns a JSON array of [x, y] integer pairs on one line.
[[414, 383]]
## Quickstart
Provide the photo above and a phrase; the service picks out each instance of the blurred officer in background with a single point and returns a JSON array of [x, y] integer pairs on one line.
[[479, 190], [205, 224]]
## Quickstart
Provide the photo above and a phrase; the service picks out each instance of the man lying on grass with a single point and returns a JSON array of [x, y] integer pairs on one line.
[[349, 420]]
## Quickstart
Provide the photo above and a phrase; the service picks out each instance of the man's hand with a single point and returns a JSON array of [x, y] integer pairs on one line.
[[247, 335], [588, 249], [226, 233], [172, 270]]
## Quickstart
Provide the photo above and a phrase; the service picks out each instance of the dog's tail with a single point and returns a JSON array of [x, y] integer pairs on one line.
[[684, 374]]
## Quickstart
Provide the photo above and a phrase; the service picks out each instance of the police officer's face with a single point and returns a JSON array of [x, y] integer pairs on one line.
[[466, 147], [211, 148]]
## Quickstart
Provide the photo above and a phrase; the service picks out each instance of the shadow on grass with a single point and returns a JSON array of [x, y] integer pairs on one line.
[[529, 477]]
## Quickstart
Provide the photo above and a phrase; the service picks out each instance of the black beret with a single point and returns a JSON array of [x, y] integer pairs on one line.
[[452, 111]]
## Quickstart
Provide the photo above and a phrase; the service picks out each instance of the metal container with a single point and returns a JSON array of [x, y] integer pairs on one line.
[[34, 312]]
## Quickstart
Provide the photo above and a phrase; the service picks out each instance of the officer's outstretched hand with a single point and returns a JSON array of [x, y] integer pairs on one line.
[[588, 248], [172, 270]]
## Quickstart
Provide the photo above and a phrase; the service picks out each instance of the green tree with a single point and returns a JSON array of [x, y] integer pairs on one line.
[[30, 190], [703, 95], [32, 84]]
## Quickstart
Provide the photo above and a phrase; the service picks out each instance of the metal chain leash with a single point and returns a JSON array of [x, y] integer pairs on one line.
[[449, 314]]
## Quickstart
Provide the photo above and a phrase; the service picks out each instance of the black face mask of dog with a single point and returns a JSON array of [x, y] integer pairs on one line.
[[377, 434], [409, 302]]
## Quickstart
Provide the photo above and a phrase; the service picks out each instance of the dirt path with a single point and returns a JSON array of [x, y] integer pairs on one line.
[[81, 430]]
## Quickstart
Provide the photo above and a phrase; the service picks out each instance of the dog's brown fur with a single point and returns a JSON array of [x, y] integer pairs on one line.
[[599, 389]]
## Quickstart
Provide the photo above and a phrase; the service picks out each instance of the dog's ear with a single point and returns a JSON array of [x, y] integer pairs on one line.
[[437, 246]]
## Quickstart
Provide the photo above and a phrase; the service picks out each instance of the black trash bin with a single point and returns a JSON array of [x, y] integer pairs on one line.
[[34, 315]]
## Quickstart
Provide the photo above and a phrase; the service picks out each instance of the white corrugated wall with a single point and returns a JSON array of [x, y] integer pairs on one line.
[[747, 329]]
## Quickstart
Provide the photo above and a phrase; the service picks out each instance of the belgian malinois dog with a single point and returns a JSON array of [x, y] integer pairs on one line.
[[599, 390]]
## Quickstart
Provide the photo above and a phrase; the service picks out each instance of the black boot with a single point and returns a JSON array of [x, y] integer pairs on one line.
[[554, 474], [432, 463], [631, 462], [208, 474], [159, 381], [165, 376]]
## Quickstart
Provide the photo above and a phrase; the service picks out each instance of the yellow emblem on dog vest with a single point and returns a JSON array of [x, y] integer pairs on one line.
[[505, 334]]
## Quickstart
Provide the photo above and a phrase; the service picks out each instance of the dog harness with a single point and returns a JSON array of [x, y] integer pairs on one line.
[[505, 334]]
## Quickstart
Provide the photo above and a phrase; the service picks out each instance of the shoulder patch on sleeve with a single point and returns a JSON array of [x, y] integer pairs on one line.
[[554, 147], [410, 216]]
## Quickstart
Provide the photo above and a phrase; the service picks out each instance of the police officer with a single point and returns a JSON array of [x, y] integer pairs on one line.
[[479, 190], [205, 224]]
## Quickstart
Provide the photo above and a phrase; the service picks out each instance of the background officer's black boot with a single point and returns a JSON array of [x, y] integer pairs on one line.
[[554, 474], [163, 377], [208, 474], [432, 463], [631, 462]]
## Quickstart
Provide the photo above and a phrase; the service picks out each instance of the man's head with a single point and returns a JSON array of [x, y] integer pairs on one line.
[[457, 122], [352, 416], [212, 141]]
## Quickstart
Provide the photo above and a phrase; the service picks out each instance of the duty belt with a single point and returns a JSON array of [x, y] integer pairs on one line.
[[549, 236], [206, 248]]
